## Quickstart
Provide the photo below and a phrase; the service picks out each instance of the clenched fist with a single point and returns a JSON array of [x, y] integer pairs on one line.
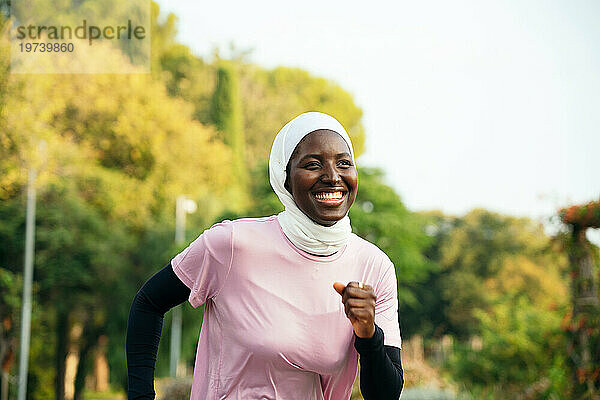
[[359, 304]]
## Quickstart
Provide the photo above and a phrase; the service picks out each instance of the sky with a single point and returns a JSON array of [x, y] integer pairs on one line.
[[492, 104]]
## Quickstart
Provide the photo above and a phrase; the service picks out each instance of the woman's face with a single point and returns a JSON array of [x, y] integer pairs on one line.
[[321, 177]]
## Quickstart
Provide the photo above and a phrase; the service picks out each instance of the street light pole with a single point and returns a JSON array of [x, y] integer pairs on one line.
[[28, 273], [183, 206], [27, 279]]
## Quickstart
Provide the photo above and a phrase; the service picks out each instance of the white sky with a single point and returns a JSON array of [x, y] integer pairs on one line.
[[466, 103]]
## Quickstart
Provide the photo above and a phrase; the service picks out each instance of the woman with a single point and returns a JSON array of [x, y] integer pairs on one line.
[[279, 323]]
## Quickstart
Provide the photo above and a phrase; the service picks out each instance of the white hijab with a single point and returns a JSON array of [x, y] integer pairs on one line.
[[303, 232]]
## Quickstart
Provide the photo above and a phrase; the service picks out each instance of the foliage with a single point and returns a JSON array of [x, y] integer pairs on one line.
[[120, 148], [112, 152], [522, 354], [42, 366], [270, 97], [582, 216], [582, 323], [503, 281], [264, 200], [9, 293], [10, 303], [473, 253], [294, 91], [379, 216], [71, 13], [582, 331], [226, 112]]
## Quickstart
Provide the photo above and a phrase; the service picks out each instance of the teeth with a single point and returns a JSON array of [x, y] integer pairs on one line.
[[329, 195]]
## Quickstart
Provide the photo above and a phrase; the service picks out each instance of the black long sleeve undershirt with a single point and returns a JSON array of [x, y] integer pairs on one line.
[[159, 294], [381, 375]]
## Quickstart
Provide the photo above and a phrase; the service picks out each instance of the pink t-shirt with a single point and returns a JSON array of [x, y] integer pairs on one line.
[[274, 327]]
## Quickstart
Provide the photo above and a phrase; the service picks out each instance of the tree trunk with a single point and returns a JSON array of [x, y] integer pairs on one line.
[[586, 313], [88, 341], [62, 338], [4, 386]]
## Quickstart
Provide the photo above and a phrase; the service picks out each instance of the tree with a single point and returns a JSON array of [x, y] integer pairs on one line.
[[269, 98], [517, 313], [119, 150], [521, 356], [500, 279], [226, 110], [583, 321], [472, 250], [273, 97], [379, 216]]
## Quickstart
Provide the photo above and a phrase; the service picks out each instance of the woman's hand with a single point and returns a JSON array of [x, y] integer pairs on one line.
[[359, 304]]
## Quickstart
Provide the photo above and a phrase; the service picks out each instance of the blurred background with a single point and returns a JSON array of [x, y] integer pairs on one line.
[[476, 130]]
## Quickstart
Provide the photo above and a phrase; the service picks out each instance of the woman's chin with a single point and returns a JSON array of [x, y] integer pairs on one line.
[[328, 219]]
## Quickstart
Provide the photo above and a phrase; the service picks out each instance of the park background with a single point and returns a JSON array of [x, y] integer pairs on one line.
[[486, 304]]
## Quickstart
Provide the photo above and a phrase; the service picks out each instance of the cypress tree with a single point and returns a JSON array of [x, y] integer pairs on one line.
[[226, 112]]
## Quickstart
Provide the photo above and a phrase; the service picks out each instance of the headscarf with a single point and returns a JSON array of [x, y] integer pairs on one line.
[[303, 232]]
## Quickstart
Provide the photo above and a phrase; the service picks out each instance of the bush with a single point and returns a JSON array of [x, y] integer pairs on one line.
[[522, 356]]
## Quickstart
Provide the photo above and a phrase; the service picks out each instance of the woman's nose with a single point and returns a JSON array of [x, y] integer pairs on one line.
[[331, 175]]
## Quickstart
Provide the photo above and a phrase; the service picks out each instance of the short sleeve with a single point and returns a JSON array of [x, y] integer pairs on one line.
[[204, 265], [386, 306]]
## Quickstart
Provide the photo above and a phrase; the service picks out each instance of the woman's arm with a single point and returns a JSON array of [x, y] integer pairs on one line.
[[159, 294], [381, 375]]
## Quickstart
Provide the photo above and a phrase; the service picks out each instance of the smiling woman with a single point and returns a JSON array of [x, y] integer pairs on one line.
[[323, 177], [278, 322]]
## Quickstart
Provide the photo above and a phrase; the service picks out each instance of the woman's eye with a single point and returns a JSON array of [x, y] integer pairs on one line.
[[345, 163], [312, 165]]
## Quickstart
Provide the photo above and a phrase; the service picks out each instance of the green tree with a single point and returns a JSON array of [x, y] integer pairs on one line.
[[522, 354], [269, 98], [273, 97], [227, 116], [499, 279], [119, 150], [379, 216], [471, 251]]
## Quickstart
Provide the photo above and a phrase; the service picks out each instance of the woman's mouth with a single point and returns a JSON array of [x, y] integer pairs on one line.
[[330, 198]]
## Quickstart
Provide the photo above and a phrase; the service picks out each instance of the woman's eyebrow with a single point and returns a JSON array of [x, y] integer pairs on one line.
[[320, 156], [317, 156]]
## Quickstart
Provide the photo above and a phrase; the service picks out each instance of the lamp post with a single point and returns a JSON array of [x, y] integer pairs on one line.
[[27, 278], [183, 206], [28, 275]]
